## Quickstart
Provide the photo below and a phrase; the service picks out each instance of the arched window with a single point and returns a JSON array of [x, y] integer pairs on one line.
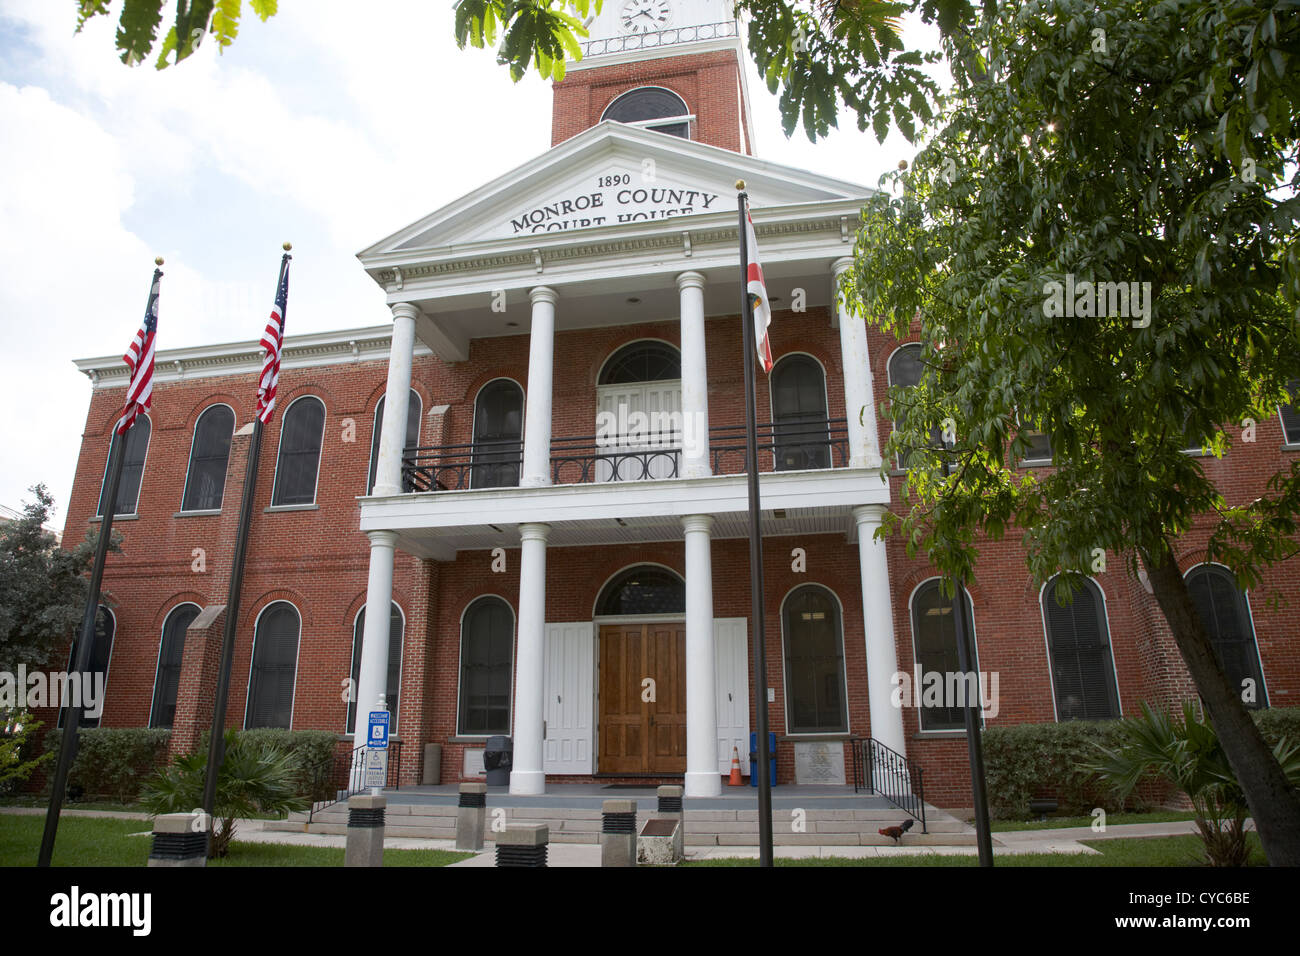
[[205, 480], [486, 656], [815, 692], [1226, 616], [274, 668], [1078, 644], [654, 108], [128, 490], [934, 640], [498, 435], [645, 589], [171, 652], [639, 424], [393, 684], [1291, 415], [648, 361], [101, 653], [301, 433], [414, 409], [905, 370], [799, 414]]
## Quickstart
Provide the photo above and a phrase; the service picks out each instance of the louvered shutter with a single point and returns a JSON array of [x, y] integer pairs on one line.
[[170, 657], [299, 461], [1082, 666], [1222, 608], [275, 660]]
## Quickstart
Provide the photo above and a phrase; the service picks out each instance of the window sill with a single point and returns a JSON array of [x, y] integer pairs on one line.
[[272, 508], [815, 737], [117, 518], [1036, 463], [202, 513], [472, 738], [941, 734], [1291, 446]]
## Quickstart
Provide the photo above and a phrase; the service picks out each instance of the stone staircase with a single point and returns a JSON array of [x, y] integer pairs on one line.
[[727, 827]]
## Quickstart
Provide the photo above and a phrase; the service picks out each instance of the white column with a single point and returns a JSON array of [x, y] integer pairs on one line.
[[392, 438], [702, 777], [878, 622], [527, 775], [695, 378], [373, 679], [537, 413], [864, 444]]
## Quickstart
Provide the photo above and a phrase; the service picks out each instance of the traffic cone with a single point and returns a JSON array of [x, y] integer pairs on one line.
[[735, 780]]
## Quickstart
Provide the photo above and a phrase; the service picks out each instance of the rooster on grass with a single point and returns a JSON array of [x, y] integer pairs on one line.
[[896, 833]]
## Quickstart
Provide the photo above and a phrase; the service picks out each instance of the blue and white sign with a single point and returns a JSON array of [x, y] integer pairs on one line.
[[377, 739]]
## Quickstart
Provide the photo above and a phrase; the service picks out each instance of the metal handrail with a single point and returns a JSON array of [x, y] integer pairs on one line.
[[878, 769], [352, 775]]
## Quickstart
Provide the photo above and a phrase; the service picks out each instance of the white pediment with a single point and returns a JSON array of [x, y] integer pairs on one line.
[[610, 175]]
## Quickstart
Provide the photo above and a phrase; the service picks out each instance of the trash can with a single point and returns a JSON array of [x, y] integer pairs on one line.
[[753, 757], [498, 756]]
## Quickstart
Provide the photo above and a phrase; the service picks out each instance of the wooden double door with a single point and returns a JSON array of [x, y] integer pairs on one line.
[[643, 698]]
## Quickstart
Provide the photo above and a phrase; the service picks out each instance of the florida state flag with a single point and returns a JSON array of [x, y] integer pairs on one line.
[[757, 295]]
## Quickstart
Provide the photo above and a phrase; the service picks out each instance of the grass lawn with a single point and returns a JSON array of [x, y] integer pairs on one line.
[[89, 841], [1112, 819], [43, 801], [1148, 851]]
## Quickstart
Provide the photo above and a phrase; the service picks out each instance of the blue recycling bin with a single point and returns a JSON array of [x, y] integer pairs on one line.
[[753, 757]]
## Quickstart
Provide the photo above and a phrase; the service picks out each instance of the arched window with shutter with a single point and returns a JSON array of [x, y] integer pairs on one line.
[[1290, 415], [905, 370], [487, 632], [101, 655], [1225, 613], [799, 414], [205, 479], [302, 429], [498, 435], [274, 667], [128, 489], [934, 640], [393, 684], [171, 652], [414, 409], [815, 692], [1079, 653]]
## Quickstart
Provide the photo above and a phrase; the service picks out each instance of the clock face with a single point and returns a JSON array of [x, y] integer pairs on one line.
[[644, 16]]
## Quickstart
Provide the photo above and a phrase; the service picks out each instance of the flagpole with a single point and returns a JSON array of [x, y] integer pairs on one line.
[[216, 737], [85, 647], [755, 551]]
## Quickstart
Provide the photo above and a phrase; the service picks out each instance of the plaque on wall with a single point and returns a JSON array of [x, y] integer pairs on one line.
[[820, 761], [473, 765]]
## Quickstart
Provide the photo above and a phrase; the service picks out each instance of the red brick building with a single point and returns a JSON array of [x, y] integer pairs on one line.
[[561, 534]]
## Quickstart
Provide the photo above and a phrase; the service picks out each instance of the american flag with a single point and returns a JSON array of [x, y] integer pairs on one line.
[[139, 359], [758, 300], [273, 342]]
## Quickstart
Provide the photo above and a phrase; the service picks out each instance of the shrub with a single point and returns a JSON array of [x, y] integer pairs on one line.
[[310, 752], [1025, 760], [1278, 722], [17, 739], [113, 762]]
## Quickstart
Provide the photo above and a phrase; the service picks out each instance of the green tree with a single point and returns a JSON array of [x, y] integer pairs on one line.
[[42, 586], [1094, 143], [137, 26]]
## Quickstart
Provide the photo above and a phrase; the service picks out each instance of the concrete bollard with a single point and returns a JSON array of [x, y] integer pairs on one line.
[[470, 815], [523, 844], [365, 846], [618, 833], [177, 841], [670, 808]]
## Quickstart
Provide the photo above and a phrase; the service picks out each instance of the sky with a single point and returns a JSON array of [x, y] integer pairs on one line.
[[322, 126]]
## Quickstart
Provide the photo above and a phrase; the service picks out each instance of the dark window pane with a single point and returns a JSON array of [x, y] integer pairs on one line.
[[275, 665], [643, 590], [128, 491], [799, 414], [642, 362], [905, 370], [394, 684], [1222, 607], [170, 655], [1291, 416], [814, 663], [301, 433], [935, 634], [498, 435], [1083, 670], [674, 129], [100, 654], [1040, 447], [205, 482], [486, 650], [414, 409], [646, 103]]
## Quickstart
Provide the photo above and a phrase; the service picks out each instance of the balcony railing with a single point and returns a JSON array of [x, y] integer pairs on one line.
[[785, 446]]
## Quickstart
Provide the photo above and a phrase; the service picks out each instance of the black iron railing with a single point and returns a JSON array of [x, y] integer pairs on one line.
[[782, 446], [877, 769], [455, 467], [577, 461], [342, 774]]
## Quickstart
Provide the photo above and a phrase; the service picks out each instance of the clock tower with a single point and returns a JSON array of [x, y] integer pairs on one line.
[[674, 66]]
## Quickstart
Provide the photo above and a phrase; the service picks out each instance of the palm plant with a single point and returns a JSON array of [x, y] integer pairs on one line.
[[255, 777], [1188, 754]]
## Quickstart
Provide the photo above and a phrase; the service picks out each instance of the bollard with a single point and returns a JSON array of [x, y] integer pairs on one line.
[[177, 841], [365, 845], [670, 808], [618, 833], [470, 814], [524, 844]]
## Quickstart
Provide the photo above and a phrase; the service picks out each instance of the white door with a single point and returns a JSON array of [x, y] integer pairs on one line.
[[567, 744], [731, 674], [645, 439]]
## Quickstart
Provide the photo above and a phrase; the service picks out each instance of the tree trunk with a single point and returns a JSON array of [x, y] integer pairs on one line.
[[1274, 803]]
